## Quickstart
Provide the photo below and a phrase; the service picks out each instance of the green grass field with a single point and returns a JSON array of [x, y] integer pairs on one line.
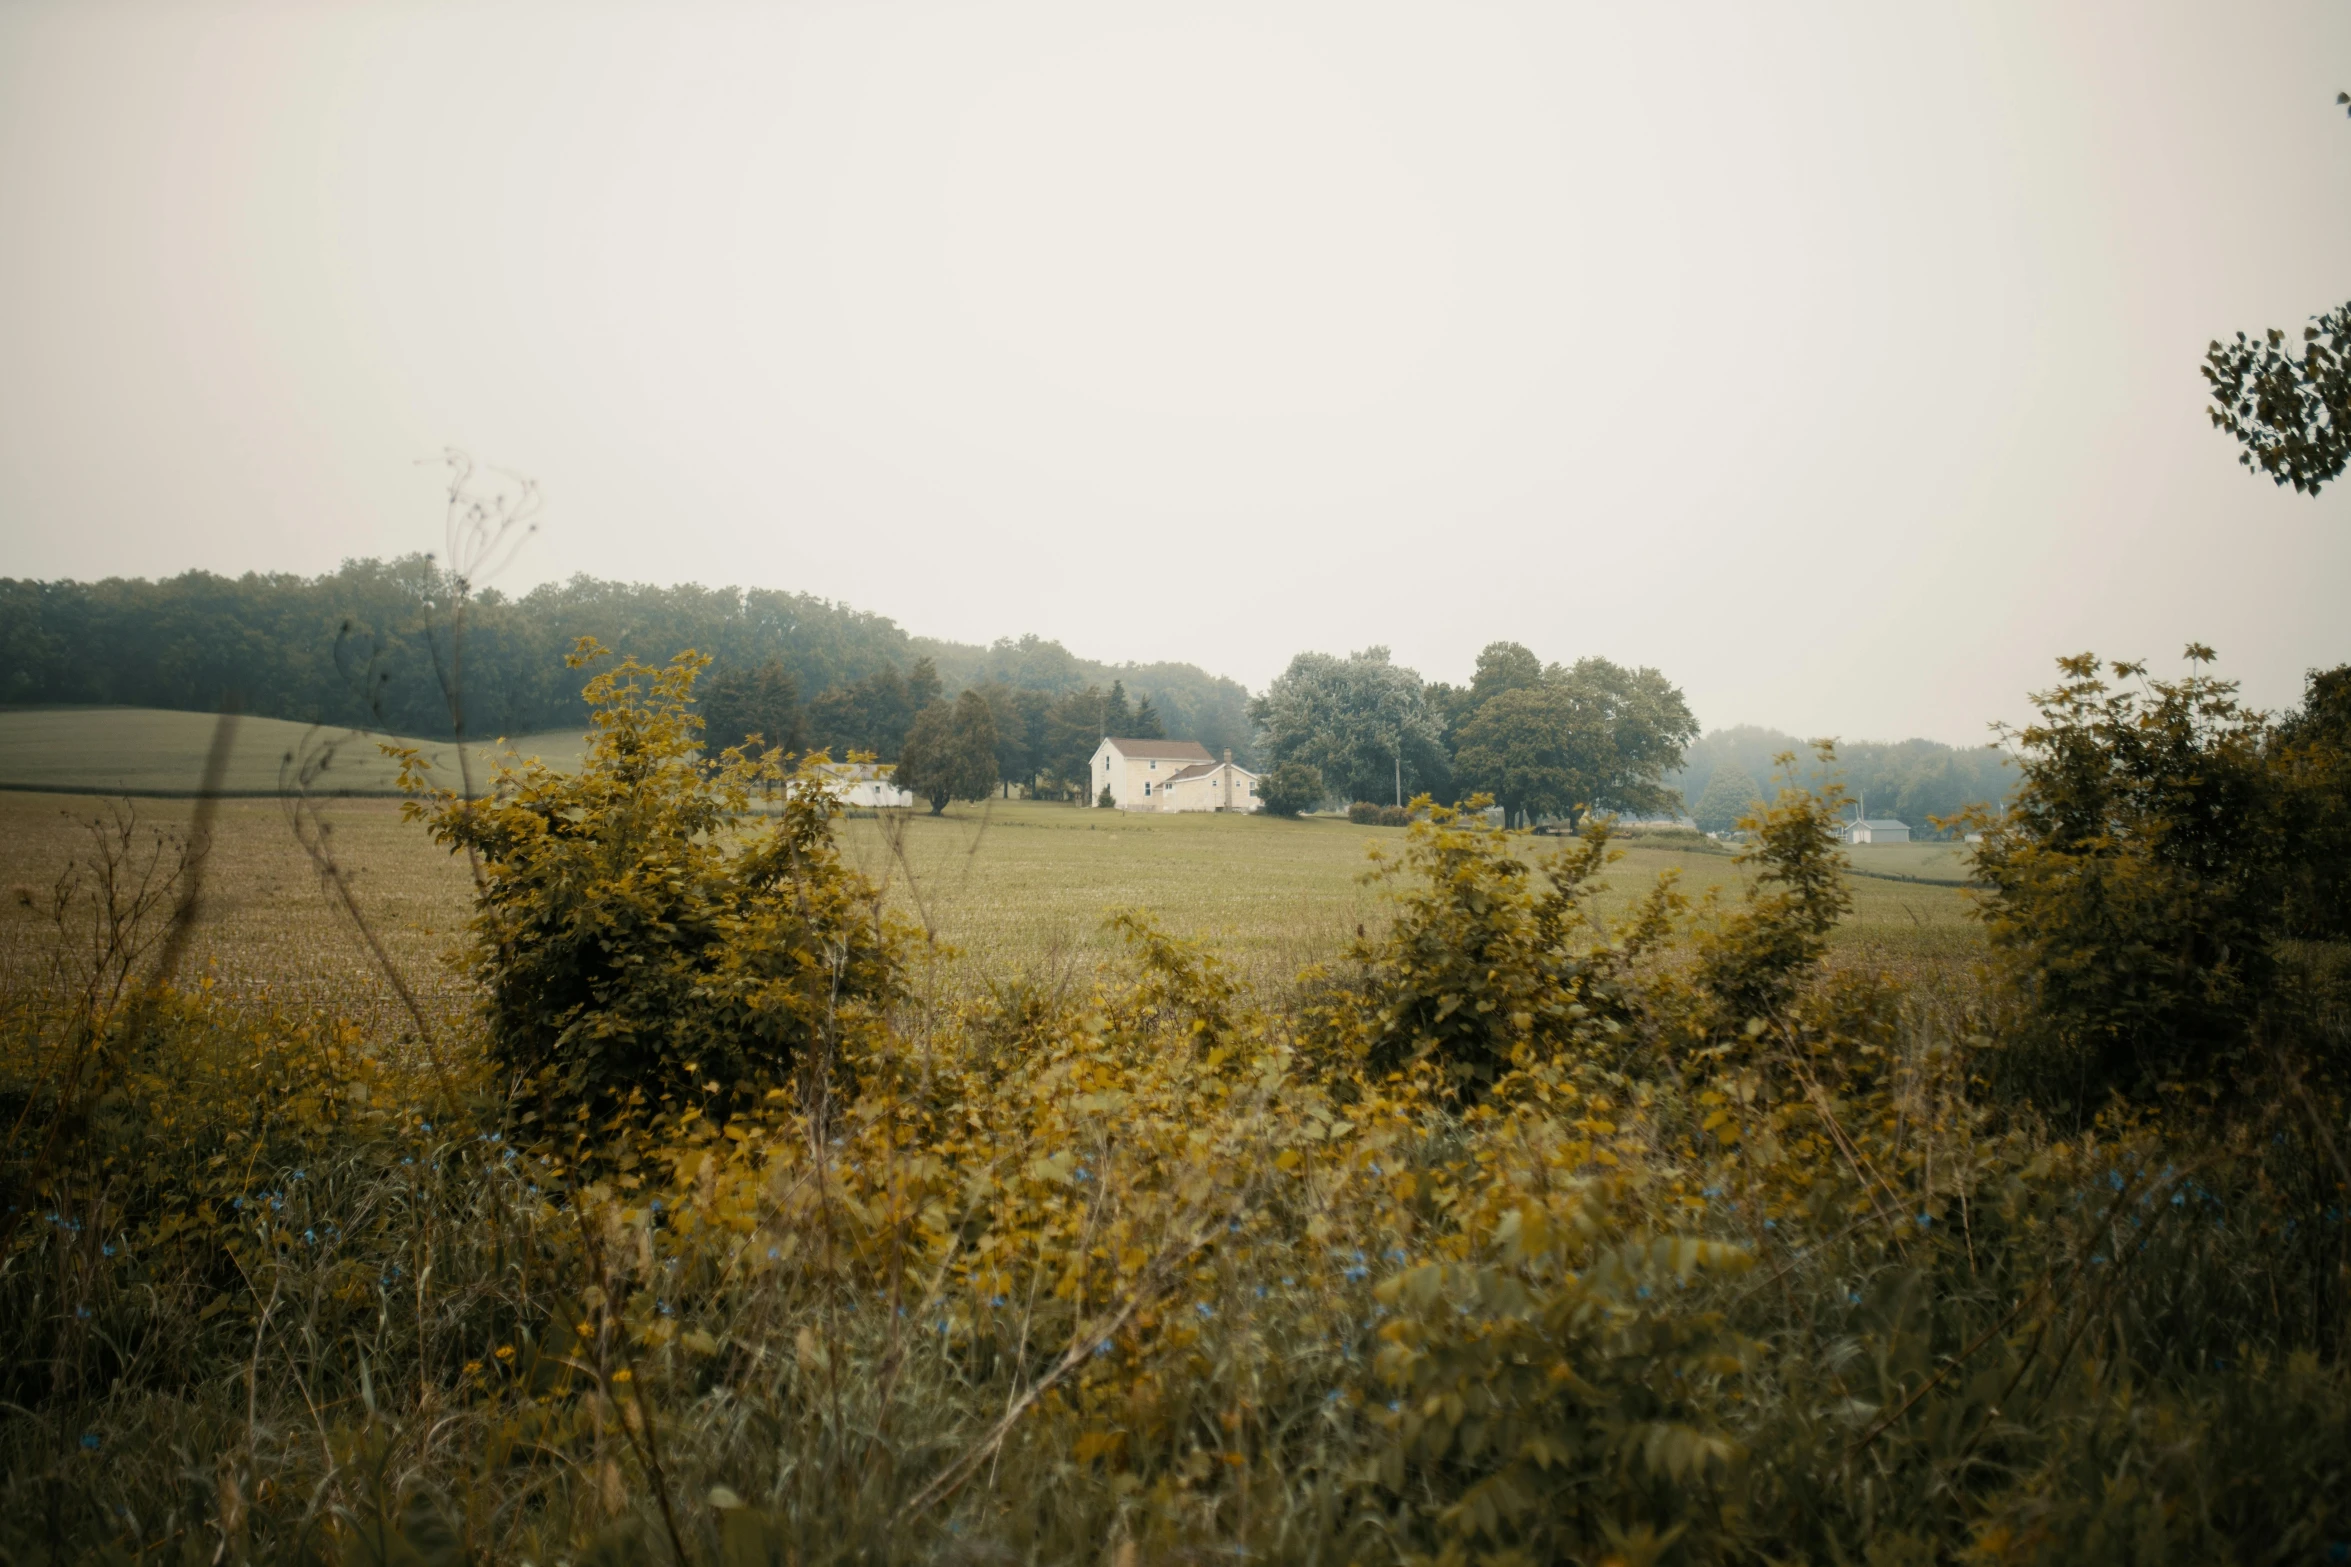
[[147, 751]]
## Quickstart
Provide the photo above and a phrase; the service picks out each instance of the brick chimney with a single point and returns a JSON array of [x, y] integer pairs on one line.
[[1228, 756]]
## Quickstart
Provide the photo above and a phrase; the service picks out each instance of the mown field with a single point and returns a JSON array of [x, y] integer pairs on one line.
[[1006, 888]]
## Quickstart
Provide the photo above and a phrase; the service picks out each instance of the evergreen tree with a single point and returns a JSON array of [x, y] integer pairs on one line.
[[1020, 732], [746, 702], [1147, 725], [922, 686], [1073, 732], [1117, 721]]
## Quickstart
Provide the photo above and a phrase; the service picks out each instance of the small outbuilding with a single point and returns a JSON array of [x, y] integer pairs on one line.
[[1877, 829]]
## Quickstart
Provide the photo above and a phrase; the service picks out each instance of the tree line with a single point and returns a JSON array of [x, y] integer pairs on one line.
[[1724, 774], [378, 643]]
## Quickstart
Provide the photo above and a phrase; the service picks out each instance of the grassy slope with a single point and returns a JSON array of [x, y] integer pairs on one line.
[[139, 750]]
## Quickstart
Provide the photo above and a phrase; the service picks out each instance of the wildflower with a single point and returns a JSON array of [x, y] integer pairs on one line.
[[1205, 1309], [506, 1352], [90, 1440], [624, 1375]]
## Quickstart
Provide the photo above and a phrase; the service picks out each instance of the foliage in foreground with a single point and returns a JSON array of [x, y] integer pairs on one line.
[[1525, 1236]]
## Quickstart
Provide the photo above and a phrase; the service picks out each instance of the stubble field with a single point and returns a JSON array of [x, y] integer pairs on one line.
[[1006, 889]]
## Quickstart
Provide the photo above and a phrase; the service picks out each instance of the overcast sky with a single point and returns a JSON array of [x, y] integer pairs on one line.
[[1838, 360]]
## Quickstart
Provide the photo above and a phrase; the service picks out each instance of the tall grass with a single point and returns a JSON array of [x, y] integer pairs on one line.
[[1152, 1265]]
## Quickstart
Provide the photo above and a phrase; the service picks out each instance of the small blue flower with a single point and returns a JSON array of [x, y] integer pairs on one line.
[[106, 1251], [82, 1312], [90, 1440], [1205, 1309], [1925, 1219]]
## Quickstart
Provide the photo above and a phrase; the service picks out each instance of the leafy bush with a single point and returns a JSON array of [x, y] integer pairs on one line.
[[1292, 789], [2135, 882], [637, 948]]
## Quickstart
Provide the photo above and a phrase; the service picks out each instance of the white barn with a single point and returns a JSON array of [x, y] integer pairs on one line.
[[1877, 829], [871, 785], [1170, 775]]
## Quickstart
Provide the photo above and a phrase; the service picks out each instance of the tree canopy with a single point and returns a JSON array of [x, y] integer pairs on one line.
[[2288, 406], [950, 752], [369, 644], [1594, 735], [1730, 795], [1361, 721]]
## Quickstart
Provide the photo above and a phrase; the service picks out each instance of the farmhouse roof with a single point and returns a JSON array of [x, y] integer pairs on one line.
[[1196, 770], [1881, 821], [1163, 750]]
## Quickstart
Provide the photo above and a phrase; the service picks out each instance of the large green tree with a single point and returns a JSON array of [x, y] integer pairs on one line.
[[1730, 794], [950, 752], [1362, 721], [1594, 736]]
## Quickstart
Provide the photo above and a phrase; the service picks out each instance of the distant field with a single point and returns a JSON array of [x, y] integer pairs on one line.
[[1927, 861], [1012, 888], [137, 750]]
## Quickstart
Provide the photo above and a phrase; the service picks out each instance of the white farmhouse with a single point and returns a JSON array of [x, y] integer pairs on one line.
[[1171, 775], [1877, 829]]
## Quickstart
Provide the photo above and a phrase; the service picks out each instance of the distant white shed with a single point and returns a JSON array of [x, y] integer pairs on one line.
[[1877, 829]]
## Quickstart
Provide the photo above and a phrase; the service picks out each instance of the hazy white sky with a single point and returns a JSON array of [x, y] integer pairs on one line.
[[1838, 359]]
